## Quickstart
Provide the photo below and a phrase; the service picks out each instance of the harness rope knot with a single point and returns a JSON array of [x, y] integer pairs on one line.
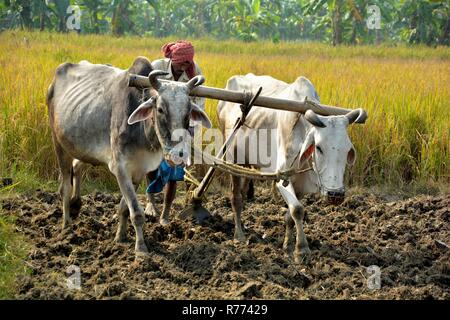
[[248, 96], [249, 173]]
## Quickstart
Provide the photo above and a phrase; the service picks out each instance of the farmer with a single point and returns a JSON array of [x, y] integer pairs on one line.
[[179, 62]]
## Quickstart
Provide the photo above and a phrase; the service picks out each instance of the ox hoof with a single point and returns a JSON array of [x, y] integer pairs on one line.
[[141, 248], [141, 257], [164, 221], [121, 238], [150, 210], [239, 237], [304, 257], [67, 223], [75, 206], [288, 247]]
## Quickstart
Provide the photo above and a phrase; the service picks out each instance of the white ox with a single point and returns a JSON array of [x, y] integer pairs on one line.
[[300, 140]]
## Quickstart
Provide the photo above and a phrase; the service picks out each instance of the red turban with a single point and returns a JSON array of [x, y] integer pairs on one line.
[[179, 52]]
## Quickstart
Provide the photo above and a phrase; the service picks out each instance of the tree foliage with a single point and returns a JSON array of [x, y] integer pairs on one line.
[[332, 21]]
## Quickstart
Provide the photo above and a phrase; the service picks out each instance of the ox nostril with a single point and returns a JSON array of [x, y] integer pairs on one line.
[[336, 194], [181, 154], [335, 197]]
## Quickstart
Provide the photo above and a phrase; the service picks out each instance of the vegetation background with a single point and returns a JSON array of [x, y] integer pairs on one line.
[[332, 21]]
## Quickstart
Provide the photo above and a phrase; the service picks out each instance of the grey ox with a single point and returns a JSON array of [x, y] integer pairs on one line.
[[299, 140], [96, 118]]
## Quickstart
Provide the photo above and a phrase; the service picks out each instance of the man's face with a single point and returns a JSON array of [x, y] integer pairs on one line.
[[180, 67]]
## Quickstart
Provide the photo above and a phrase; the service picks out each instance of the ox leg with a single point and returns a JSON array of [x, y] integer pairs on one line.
[[302, 252], [65, 188], [248, 190], [169, 195], [237, 205], [288, 236], [123, 213], [151, 208], [75, 201], [136, 212]]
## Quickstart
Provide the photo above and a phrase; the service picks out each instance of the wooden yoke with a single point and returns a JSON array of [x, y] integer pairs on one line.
[[262, 101]]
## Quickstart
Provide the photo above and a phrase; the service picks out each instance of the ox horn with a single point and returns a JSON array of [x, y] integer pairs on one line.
[[357, 116], [314, 119], [154, 80], [196, 81]]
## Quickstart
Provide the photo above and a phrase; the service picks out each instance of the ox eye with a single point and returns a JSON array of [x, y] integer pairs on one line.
[[319, 149], [160, 110]]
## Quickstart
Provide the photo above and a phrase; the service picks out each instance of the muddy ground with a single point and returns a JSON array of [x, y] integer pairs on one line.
[[405, 238]]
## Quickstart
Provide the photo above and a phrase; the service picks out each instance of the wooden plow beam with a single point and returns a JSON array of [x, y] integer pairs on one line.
[[262, 101]]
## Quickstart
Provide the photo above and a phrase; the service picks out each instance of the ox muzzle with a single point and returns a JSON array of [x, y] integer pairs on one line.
[[335, 197], [177, 156]]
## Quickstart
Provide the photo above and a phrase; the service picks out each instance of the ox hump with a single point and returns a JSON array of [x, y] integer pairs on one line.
[[141, 66]]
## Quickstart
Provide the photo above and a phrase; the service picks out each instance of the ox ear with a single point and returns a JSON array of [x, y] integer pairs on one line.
[[144, 111], [351, 156], [197, 114], [307, 147]]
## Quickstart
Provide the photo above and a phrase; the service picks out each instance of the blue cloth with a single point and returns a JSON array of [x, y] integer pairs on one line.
[[165, 174]]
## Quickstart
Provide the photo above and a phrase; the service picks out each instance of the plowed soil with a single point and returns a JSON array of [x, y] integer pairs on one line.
[[406, 238]]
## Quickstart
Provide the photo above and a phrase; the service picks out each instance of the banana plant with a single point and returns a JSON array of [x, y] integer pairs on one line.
[[425, 21], [250, 18], [19, 13], [98, 11], [59, 9], [333, 21], [9, 16], [344, 21]]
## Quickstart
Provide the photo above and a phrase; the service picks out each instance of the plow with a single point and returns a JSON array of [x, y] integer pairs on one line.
[[247, 100]]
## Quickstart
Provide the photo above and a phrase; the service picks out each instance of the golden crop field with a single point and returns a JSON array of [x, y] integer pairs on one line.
[[405, 91]]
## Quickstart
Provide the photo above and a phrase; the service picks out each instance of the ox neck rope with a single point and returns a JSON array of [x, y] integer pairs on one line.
[[314, 167], [319, 179], [298, 154], [285, 183], [300, 148]]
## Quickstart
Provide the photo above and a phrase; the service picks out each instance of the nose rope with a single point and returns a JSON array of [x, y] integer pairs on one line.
[[317, 172], [313, 163]]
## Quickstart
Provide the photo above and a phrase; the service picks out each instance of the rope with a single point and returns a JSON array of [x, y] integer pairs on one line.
[[249, 173], [190, 178], [241, 171]]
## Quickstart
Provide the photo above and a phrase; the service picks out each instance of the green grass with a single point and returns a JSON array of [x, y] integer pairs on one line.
[[13, 251]]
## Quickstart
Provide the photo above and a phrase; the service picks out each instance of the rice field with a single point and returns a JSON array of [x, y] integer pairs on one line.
[[405, 91]]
